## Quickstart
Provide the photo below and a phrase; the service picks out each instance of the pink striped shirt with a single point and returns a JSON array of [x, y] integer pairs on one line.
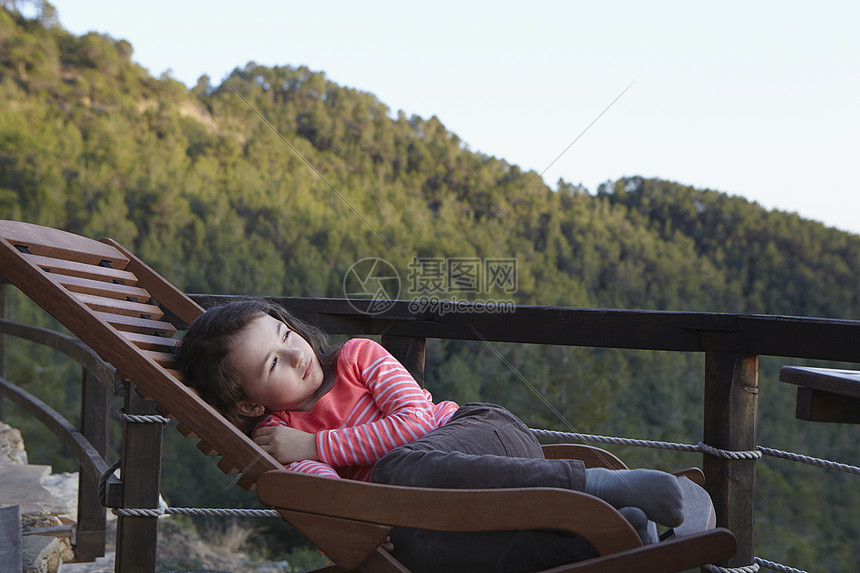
[[374, 406]]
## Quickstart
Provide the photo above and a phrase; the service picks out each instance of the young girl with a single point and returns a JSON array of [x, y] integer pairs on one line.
[[353, 411]]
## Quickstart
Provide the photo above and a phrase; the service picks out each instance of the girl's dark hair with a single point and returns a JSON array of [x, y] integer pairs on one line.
[[203, 354]]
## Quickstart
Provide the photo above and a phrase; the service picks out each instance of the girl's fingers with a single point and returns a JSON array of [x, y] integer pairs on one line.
[[266, 432], [265, 437]]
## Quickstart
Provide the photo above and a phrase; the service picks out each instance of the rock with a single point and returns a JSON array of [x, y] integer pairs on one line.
[[45, 554], [22, 485], [43, 497], [11, 445], [64, 488]]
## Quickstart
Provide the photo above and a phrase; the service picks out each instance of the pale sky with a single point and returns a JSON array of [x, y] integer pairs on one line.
[[757, 99]]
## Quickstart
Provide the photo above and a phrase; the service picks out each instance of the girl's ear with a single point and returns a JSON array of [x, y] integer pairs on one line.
[[247, 408]]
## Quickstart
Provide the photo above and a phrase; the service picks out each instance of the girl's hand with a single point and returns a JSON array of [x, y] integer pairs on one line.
[[287, 445], [387, 545]]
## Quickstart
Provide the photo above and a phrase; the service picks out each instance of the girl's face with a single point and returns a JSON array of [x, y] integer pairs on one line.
[[279, 369]]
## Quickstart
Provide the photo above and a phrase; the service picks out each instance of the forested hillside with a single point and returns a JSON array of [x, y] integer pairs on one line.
[[277, 180], [777, 260]]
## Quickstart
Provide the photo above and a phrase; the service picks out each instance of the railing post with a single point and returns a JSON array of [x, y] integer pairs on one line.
[[2, 340], [95, 414], [10, 539], [141, 477], [731, 400], [409, 351]]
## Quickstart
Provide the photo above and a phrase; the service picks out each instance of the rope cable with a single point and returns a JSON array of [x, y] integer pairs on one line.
[[164, 509], [777, 566], [745, 569], [207, 511], [700, 447], [142, 418]]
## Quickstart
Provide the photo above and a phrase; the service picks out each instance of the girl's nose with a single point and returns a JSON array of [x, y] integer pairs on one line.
[[294, 356]]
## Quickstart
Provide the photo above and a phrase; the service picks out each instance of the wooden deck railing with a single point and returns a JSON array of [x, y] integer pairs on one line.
[[731, 343], [88, 444]]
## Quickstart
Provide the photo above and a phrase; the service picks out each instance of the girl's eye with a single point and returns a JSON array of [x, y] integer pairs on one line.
[[274, 362], [286, 335]]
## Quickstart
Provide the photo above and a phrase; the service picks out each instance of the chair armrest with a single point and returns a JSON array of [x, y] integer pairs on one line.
[[592, 457], [450, 509], [669, 556], [694, 474]]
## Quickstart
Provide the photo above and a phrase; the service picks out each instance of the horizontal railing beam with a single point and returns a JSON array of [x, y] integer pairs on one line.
[[71, 347], [794, 337]]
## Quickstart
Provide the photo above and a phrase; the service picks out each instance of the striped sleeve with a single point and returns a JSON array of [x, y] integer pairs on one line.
[[313, 468], [395, 411], [270, 420]]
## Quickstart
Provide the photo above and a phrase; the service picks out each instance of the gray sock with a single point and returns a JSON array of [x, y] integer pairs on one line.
[[639, 521], [656, 493]]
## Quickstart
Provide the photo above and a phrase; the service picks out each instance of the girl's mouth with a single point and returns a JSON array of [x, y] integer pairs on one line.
[[308, 370]]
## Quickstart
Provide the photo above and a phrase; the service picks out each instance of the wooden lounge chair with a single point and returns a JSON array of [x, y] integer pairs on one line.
[[115, 304]]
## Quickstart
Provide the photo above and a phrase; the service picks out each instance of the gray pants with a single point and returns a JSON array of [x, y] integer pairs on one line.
[[482, 446]]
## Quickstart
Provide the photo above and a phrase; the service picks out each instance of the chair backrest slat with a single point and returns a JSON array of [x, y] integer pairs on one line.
[[157, 343], [206, 448], [84, 270], [123, 307], [164, 359], [186, 431], [227, 466], [54, 243], [125, 323], [103, 288]]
